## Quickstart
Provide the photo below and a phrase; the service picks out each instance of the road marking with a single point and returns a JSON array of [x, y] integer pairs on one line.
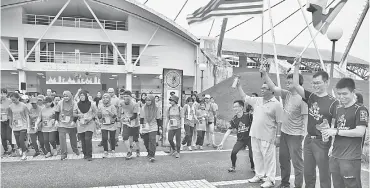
[[178, 184], [100, 156]]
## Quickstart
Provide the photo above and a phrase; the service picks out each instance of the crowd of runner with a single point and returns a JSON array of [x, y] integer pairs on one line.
[[332, 129]]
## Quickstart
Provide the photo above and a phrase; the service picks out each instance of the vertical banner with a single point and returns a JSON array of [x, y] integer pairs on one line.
[[172, 83]]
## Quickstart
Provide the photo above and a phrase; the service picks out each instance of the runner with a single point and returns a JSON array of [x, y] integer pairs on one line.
[[242, 123], [6, 130], [212, 113], [86, 113], [202, 116], [35, 130], [158, 103], [46, 121], [175, 120], [292, 129], [264, 130], [64, 113], [195, 135], [55, 103], [321, 106], [19, 122], [149, 121], [349, 129], [115, 102], [107, 113], [128, 113], [190, 119]]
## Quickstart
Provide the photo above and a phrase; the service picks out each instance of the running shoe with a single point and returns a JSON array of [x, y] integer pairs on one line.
[[137, 153], [177, 155], [255, 179], [151, 159], [189, 148], [36, 154], [113, 153], [48, 155], [105, 155], [267, 184], [284, 185], [24, 156], [231, 170], [129, 155]]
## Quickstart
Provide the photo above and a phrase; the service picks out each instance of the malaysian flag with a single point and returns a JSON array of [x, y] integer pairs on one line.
[[226, 8]]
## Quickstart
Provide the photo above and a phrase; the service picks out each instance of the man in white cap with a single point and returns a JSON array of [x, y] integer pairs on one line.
[[210, 127]]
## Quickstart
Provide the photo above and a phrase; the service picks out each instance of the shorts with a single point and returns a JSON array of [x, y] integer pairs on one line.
[[130, 131]]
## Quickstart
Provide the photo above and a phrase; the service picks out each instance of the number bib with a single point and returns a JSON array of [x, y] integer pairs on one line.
[[107, 121], [65, 119], [4, 117], [173, 122], [17, 123]]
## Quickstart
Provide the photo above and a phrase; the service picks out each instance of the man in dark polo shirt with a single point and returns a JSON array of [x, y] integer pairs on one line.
[[349, 129], [242, 123], [321, 106]]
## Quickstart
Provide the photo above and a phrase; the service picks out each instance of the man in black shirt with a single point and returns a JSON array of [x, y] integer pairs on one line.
[[242, 123], [349, 129], [321, 106]]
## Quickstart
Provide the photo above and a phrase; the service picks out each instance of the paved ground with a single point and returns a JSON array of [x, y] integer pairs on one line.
[[207, 168]]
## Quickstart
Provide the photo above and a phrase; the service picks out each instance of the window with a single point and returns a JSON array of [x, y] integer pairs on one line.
[[13, 48], [32, 57], [135, 54], [47, 51]]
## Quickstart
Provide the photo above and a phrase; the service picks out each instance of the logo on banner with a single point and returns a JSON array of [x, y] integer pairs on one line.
[[173, 79]]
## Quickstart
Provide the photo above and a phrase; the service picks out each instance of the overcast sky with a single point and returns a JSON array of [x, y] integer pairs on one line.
[[346, 20]]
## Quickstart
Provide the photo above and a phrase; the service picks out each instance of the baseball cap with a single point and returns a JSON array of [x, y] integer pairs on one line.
[[207, 96], [33, 100], [174, 98]]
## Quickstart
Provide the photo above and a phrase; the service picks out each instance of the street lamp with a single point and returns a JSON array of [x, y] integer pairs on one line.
[[202, 67], [334, 34]]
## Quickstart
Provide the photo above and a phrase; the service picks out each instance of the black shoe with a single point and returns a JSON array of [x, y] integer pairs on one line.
[[129, 155], [284, 185], [36, 154], [151, 159], [232, 170]]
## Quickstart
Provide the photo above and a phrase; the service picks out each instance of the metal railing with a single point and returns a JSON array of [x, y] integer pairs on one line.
[[74, 22]]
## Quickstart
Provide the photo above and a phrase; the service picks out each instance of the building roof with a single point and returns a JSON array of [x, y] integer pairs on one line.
[[288, 51], [130, 7]]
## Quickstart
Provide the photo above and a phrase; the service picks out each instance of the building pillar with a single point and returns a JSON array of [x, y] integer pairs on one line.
[[129, 66], [21, 52], [22, 78], [37, 53]]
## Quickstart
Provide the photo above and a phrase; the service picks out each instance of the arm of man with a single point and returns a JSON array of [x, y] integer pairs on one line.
[[279, 120], [296, 85], [250, 100], [277, 90]]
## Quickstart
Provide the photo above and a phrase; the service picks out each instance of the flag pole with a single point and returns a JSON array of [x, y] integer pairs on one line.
[[262, 30], [274, 45], [313, 37]]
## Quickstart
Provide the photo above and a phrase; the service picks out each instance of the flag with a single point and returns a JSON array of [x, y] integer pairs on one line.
[[225, 8], [320, 16]]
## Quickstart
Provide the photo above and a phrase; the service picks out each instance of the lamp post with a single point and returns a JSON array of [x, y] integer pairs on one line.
[[334, 34], [202, 67]]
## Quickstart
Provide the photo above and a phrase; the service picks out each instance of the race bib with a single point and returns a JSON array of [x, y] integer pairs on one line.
[[45, 123], [190, 117], [106, 121], [83, 121], [33, 124], [4, 117], [65, 119], [17, 123], [173, 122]]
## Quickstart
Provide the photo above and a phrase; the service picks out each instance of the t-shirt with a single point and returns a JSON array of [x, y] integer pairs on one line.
[[108, 123], [4, 106], [189, 114], [175, 113], [66, 114], [46, 115], [242, 126], [202, 119], [294, 110], [319, 108], [34, 114], [266, 117], [127, 111], [19, 114], [149, 126], [211, 108], [346, 119]]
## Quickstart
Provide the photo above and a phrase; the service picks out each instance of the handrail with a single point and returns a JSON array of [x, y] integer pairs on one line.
[[77, 22]]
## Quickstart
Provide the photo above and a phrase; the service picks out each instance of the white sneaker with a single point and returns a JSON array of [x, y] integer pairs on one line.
[[181, 147], [24, 156], [105, 155], [267, 184], [113, 153], [190, 149], [255, 179]]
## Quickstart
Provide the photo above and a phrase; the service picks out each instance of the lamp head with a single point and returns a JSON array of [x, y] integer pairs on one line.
[[335, 33], [202, 66]]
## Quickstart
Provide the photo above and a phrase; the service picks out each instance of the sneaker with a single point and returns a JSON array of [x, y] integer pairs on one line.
[[137, 153], [36, 154], [113, 153], [151, 159], [177, 155], [284, 185], [24, 156], [129, 155], [181, 147], [200, 147], [255, 179], [232, 170], [48, 155], [105, 155], [267, 184], [171, 152], [63, 157], [189, 148]]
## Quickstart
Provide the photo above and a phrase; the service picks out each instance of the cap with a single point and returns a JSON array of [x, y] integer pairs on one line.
[[25, 97], [40, 97], [33, 100], [207, 96], [174, 98]]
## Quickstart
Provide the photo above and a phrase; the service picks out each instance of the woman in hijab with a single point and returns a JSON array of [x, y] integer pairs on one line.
[[107, 113], [86, 112], [64, 113], [149, 121]]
